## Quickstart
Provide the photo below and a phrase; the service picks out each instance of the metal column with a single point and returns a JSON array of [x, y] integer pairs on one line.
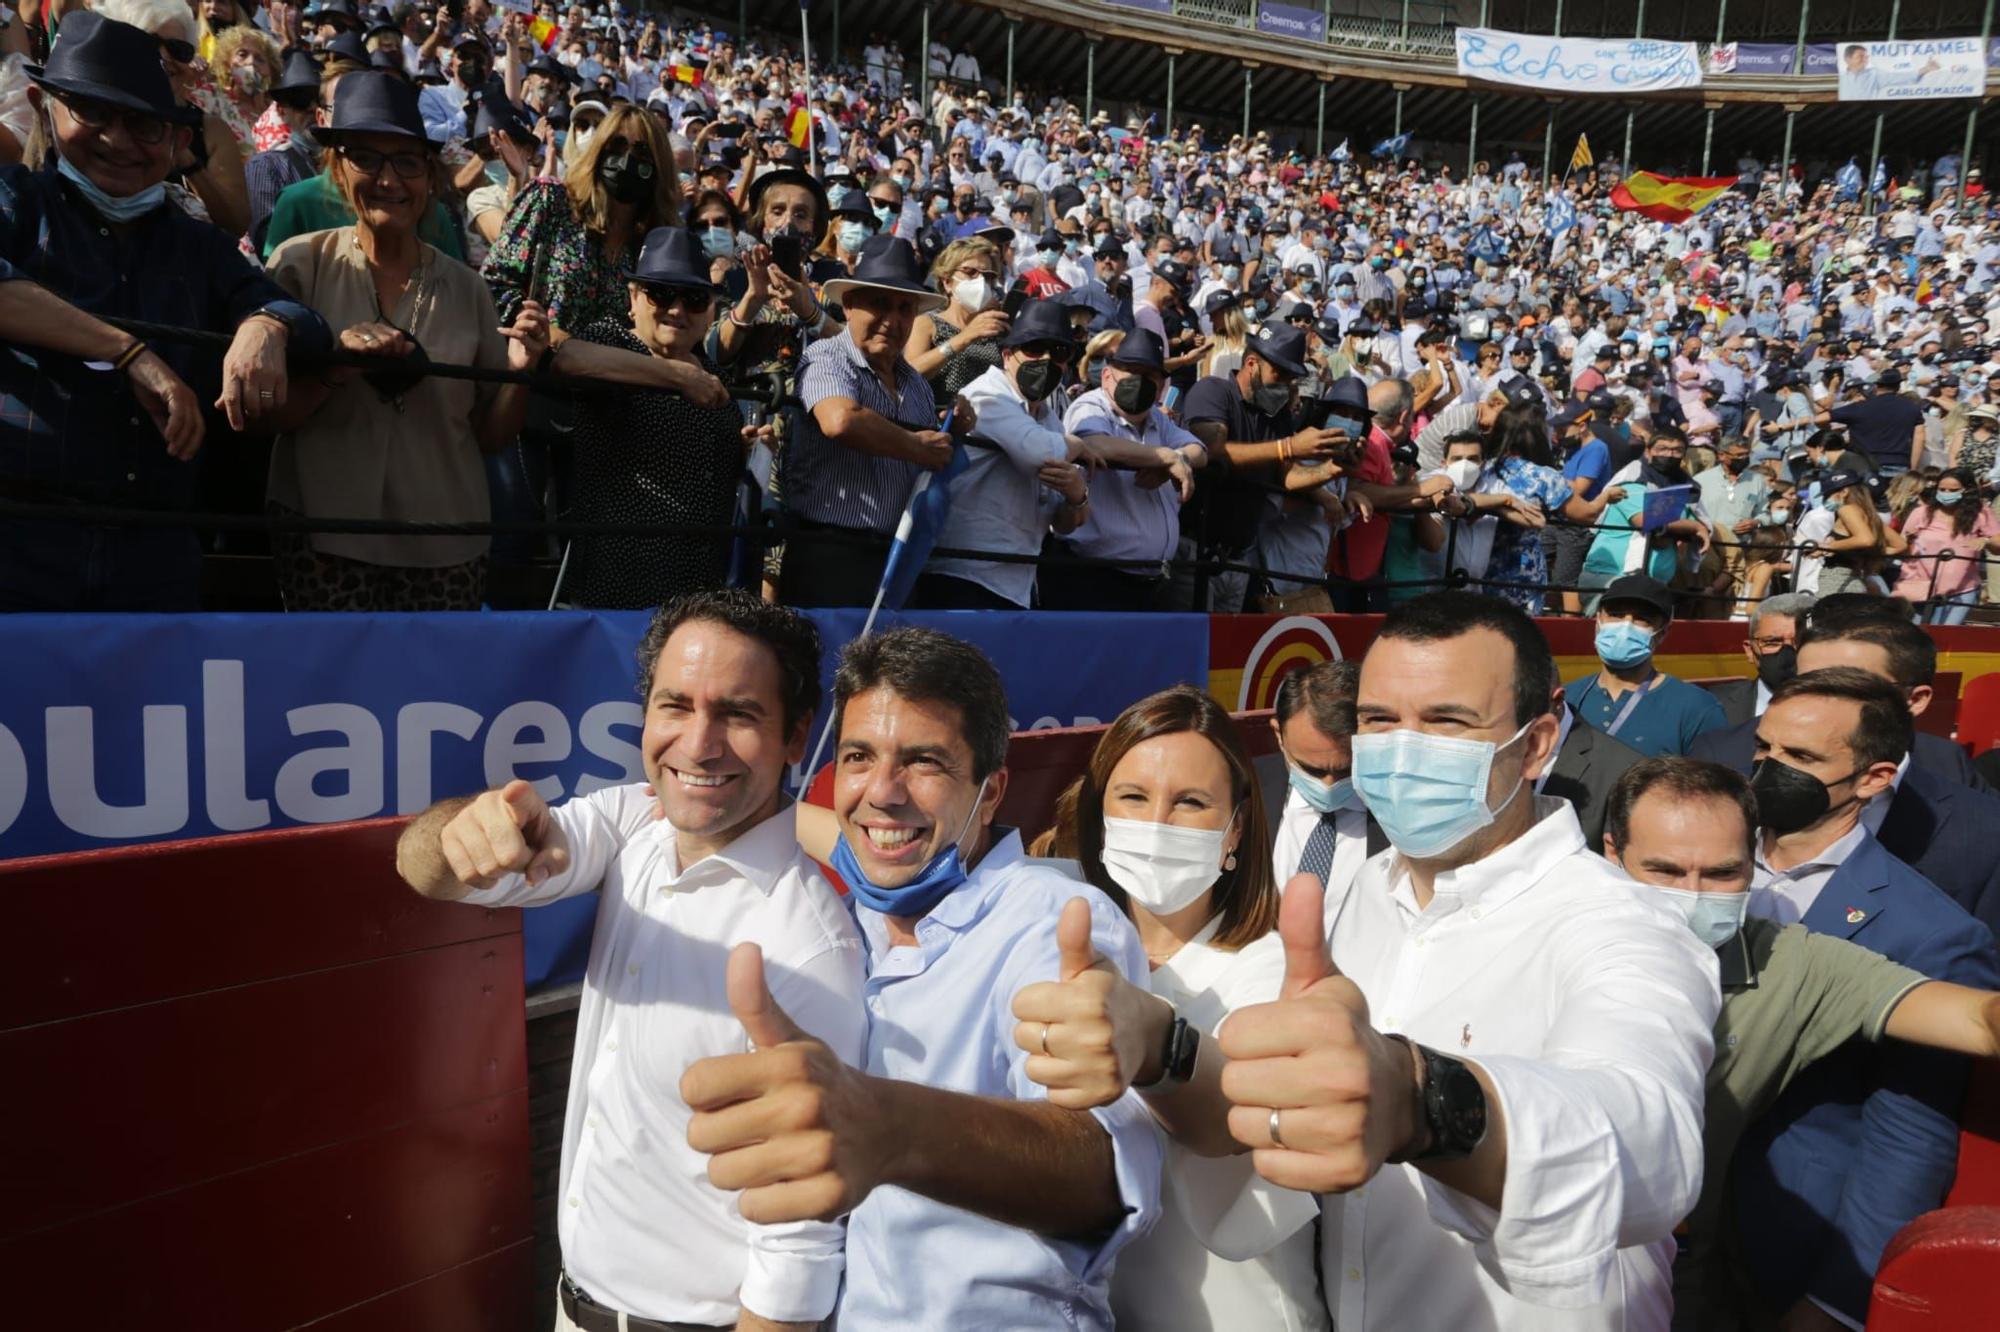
[[1549, 134], [1248, 71], [1172, 56], [1399, 112], [1012, 24], [1089, 80], [1972, 113], [1625, 161], [924, 66], [1798, 67], [833, 45], [1472, 135], [1875, 148], [1708, 118], [1319, 122], [1404, 35]]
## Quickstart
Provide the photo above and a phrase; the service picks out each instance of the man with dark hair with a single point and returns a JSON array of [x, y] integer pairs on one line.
[[971, 1201], [1591, 1093], [1790, 997], [1868, 1140], [1324, 829], [729, 683]]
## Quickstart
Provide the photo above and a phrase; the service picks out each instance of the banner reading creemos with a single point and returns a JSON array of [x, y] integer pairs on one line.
[[1308, 25], [132, 728], [1577, 64], [1912, 71]]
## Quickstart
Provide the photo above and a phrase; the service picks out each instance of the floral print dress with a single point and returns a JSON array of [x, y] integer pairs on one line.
[[1517, 551], [581, 284]]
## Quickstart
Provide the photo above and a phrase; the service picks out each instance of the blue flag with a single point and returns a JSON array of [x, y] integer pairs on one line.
[[1485, 244], [1341, 154], [1392, 146], [1881, 181], [1847, 182], [917, 532], [1562, 214]]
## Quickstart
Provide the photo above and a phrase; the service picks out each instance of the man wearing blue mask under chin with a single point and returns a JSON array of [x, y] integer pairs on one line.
[[1631, 698], [972, 1202], [1324, 830], [1495, 1048]]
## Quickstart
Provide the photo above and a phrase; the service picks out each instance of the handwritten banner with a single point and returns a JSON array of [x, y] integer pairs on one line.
[[1308, 25], [1912, 71], [1577, 64]]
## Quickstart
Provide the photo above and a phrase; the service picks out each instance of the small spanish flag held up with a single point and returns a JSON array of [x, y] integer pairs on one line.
[[688, 74], [1668, 198], [1581, 158], [544, 33], [798, 126]]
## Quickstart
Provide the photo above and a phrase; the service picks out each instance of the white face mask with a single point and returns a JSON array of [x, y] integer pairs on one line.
[[1163, 867], [972, 294], [1463, 473]]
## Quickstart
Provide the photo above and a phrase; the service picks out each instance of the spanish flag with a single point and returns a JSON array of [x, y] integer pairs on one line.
[[688, 74], [1669, 198], [1581, 157], [798, 127], [544, 33]]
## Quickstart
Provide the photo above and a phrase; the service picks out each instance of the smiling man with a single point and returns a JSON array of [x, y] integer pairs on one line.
[[729, 685], [971, 1201]]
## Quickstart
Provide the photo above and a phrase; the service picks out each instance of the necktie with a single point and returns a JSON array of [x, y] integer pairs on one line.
[[1318, 855]]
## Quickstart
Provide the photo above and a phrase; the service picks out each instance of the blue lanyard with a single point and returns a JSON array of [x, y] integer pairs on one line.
[[1631, 702]]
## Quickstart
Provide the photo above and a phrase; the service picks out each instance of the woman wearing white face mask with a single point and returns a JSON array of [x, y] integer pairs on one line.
[[1168, 819], [956, 345]]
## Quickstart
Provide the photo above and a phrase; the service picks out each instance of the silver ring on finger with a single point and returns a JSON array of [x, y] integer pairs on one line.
[[1045, 1038], [1277, 1138], [265, 394]]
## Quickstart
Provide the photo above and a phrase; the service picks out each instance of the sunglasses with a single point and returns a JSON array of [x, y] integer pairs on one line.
[[368, 162], [710, 224], [1059, 352], [178, 51], [695, 300], [144, 129]]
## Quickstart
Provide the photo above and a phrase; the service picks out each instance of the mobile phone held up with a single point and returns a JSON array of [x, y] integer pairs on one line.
[[788, 252]]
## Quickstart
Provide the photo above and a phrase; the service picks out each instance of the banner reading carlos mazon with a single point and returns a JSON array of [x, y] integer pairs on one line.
[[132, 728], [1912, 71], [1577, 64]]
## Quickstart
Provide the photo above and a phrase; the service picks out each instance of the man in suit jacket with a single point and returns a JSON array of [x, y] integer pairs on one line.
[[1323, 827], [1588, 764], [1937, 815], [1772, 645], [1866, 1140]]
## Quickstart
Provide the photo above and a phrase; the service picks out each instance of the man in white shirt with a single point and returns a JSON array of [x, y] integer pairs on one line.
[[1324, 829], [1496, 1164], [710, 862]]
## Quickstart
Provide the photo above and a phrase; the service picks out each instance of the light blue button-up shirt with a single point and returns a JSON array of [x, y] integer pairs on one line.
[[941, 1013]]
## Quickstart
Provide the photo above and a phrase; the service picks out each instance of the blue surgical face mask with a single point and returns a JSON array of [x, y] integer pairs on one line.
[[917, 897], [1950, 497], [111, 207], [853, 235], [1428, 791], [1715, 918], [883, 213], [1622, 644], [718, 243], [1324, 797]]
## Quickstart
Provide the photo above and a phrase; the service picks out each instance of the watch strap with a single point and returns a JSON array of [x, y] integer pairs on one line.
[[1454, 1107]]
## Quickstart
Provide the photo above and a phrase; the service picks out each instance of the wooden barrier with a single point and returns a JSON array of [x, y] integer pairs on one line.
[[257, 1084]]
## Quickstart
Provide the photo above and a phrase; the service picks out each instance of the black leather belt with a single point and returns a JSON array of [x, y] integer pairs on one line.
[[590, 1316]]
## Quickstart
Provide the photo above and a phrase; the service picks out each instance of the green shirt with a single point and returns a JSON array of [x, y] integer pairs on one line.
[[1789, 997], [315, 204]]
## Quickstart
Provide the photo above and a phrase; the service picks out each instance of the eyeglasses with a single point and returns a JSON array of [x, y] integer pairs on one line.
[[93, 114], [368, 162], [1768, 643], [695, 300], [1059, 352], [711, 224]]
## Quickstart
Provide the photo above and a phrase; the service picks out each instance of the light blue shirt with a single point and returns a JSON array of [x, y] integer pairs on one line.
[[941, 1013]]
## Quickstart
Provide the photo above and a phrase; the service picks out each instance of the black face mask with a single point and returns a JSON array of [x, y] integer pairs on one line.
[[627, 179], [1788, 799], [1135, 393], [1774, 668], [1667, 473], [1038, 379]]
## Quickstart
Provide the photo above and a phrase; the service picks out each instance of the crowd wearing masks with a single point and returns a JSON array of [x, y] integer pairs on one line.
[[1483, 1018], [1373, 375]]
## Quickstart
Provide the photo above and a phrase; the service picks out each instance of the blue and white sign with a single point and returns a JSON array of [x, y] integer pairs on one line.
[[1577, 64], [133, 728], [1308, 25], [1912, 71]]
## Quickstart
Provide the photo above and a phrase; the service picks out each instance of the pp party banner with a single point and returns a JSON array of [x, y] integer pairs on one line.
[[1912, 71], [1577, 64], [132, 728], [1156, 6], [1668, 198], [1308, 25], [1768, 58]]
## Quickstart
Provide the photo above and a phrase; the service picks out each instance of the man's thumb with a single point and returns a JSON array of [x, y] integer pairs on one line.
[[1302, 928], [1073, 939], [750, 999]]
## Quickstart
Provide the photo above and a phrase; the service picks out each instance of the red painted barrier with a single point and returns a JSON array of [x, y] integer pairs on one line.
[[1937, 1275], [257, 1083]]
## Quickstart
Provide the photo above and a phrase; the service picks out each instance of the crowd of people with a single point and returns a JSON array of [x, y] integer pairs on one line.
[[1491, 1018], [665, 284]]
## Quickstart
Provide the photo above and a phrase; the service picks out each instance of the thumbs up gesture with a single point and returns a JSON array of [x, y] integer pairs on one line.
[[508, 831], [1345, 1096], [1089, 1033], [789, 1124]]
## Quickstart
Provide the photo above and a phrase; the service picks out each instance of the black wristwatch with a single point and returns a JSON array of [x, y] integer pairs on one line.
[[1454, 1107], [1178, 1049]]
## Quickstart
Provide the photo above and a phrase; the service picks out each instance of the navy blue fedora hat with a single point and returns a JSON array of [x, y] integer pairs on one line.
[[372, 102], [887, 263], [671, 257], [1039, 321], [109, 61]]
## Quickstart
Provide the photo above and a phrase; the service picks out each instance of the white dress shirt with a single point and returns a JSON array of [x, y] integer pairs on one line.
[[1785, 896], [1350, 848], [642, 1229], [996, 502], [1590, 1006], [1127, 521], [1259, 1271]]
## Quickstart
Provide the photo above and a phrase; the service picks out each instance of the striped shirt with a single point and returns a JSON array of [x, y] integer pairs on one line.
[[827, 482]]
